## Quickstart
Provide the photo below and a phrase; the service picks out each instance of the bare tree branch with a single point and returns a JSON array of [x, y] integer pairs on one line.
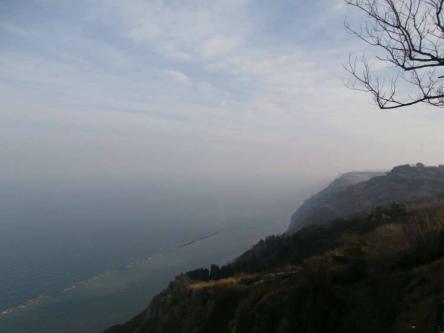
[[410, 35]]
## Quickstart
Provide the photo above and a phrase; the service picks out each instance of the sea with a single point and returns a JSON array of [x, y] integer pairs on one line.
[[85, 262]]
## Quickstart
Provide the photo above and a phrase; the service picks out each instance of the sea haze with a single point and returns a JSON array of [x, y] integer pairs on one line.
[[74, 261]]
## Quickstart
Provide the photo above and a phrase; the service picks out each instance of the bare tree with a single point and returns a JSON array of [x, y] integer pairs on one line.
[[410, 37]]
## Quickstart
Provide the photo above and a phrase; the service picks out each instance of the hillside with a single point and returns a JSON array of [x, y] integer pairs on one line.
[[372, 261], [380, 272], [351, 194]]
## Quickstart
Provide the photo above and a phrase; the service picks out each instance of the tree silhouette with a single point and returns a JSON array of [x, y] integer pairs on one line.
[[409, 36]]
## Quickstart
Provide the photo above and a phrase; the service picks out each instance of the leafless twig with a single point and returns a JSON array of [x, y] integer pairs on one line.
[[410, 34]]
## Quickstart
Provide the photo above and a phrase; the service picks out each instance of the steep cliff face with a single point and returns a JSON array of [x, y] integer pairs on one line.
[[380, 272], [352, 193]]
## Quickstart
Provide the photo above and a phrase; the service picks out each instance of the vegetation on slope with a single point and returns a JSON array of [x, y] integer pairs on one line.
[[345, 196], [380, 272]]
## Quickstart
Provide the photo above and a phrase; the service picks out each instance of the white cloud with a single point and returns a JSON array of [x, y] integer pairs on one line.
[[182, 30], [218, 46], [194, 72], [177, 76], [215, 37]]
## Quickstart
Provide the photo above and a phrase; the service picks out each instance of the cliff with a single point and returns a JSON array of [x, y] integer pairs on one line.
[[374, 271], [351, 194]]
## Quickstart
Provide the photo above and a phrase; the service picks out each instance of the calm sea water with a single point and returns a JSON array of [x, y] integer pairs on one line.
[[82, 272]]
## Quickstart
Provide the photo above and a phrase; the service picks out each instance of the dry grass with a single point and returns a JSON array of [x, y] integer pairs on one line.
[[243, 279], [233, 280]]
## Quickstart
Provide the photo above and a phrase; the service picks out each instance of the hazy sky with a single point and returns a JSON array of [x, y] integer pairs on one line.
[[188, 92]]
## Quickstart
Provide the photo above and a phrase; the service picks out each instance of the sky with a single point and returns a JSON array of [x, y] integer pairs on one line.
[[192, 95]]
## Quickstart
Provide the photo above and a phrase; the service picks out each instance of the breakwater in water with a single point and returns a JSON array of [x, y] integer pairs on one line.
[[98, 277]]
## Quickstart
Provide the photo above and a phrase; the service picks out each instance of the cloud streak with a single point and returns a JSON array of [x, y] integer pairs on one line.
[[232, 90]]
